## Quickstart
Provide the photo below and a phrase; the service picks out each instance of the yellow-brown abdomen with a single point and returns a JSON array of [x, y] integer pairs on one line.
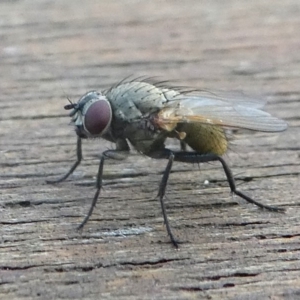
[[204, 138]]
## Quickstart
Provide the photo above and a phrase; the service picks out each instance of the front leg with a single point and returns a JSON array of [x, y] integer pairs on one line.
[[120, 153], [75, 165]]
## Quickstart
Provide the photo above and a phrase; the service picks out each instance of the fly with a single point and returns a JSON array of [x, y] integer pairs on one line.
[[145, 114]]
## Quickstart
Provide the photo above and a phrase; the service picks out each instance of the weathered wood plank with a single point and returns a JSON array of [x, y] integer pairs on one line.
[[52, 50]]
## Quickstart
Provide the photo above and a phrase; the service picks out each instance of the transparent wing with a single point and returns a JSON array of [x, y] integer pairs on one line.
[[232, 97], [219, 110]]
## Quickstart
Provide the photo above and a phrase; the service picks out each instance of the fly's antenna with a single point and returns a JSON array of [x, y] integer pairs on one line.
[[72, 105], [66, 95]]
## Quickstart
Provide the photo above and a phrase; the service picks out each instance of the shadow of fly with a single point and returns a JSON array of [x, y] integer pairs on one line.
[[145, 114]]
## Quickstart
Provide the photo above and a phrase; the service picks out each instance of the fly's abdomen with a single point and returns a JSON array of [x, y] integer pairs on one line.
[[204, 138]]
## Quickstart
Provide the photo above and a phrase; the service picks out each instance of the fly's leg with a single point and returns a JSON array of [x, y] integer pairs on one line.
[[75, 165], [98, 187], [120, 153], [161, 194], [105, 155], [194, 157], [168, 154], [183, 146]]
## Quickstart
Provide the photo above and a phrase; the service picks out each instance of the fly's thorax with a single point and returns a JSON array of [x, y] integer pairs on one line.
[[204, 138], [146, 145], [144, 137], [132, 100], [133, 105], [92, 115]]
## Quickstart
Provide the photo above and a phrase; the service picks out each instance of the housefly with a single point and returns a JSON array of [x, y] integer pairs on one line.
[[144, 114]]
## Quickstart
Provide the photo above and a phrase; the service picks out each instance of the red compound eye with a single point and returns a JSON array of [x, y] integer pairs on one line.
[[98, 117]]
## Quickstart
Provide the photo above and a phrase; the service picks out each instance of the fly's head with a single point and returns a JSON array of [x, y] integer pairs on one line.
[[91, 115]]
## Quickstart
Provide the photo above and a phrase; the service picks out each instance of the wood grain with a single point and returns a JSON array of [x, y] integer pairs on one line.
[[51, 50]]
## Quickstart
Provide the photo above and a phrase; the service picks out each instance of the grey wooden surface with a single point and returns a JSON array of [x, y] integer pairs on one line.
[[51, 50]]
